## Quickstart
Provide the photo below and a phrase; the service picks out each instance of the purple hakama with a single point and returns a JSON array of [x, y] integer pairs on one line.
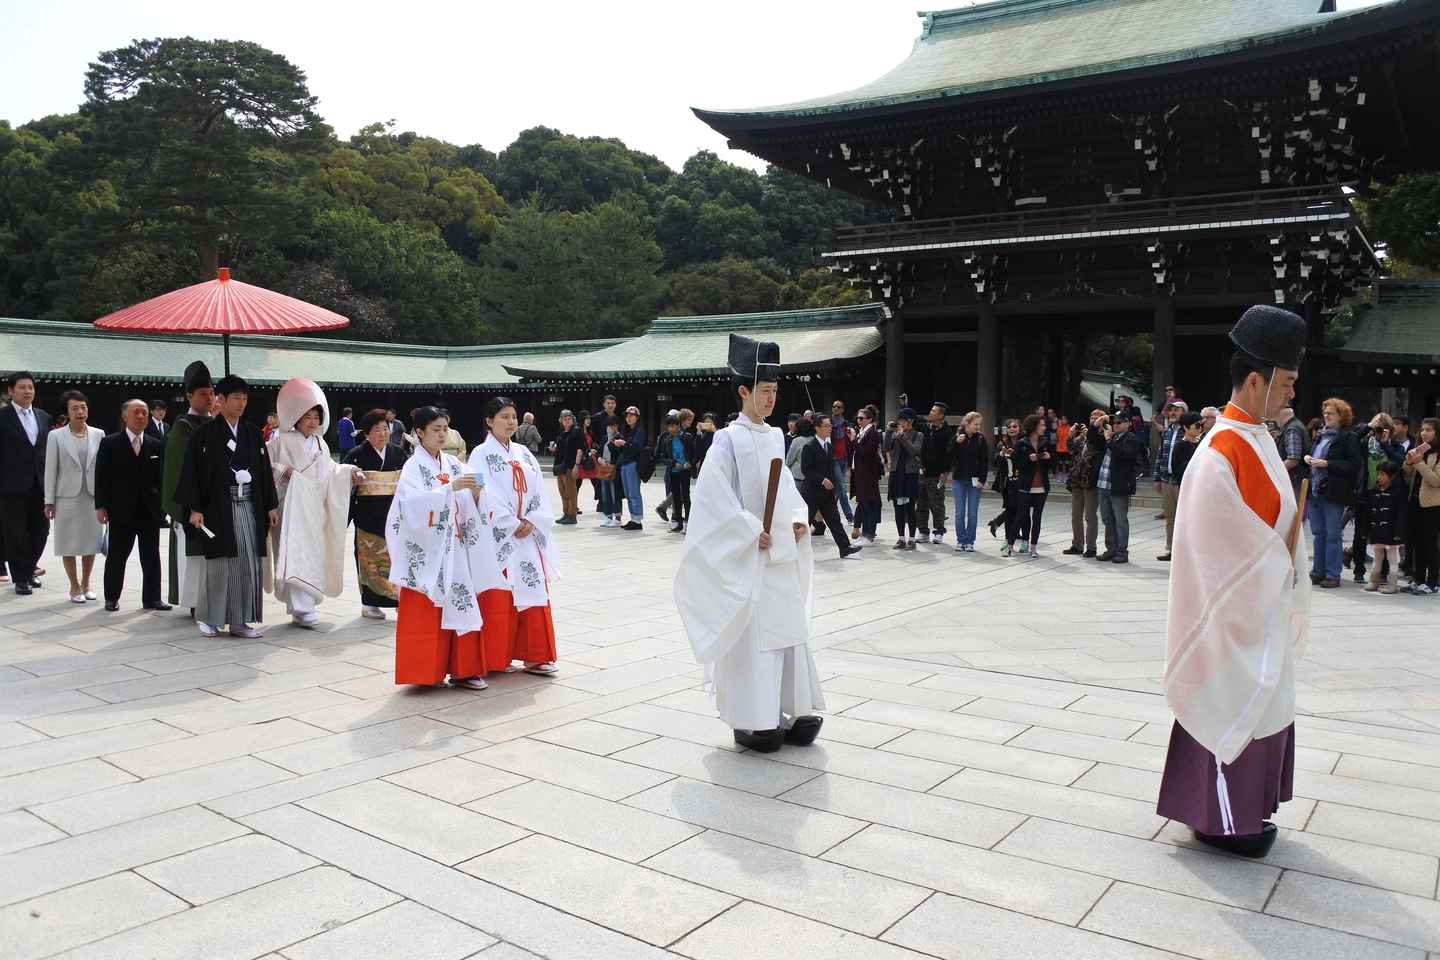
[[1259, 780]]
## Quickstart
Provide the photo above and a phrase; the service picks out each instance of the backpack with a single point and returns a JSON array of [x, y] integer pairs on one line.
[[645, 464]]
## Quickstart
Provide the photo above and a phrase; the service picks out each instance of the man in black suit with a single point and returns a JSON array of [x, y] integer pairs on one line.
[[127, 496], [23, 429], [155, 424], [817, 466]]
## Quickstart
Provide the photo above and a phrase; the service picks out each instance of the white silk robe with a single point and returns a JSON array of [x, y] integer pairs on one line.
[[747, 611]]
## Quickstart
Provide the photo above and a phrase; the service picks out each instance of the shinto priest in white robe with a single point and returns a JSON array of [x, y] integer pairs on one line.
[[515, 491], [308, 545], [440, 542], [1238, 616], [746, 610]]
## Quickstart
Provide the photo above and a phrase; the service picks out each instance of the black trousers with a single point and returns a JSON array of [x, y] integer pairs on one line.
[[1425, 568], [122, 541], [824, 503], [22, 516], [1029, 507], [680, 496], [1361, 541]]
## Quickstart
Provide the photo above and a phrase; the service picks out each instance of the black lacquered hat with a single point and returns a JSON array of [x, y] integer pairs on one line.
[[1273, 335]]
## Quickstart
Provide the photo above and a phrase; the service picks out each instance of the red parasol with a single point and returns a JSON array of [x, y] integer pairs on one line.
[[223, 306]]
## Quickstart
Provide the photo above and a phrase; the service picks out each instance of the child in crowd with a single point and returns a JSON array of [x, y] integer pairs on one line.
[[676, 453], [1385, 510], [610, 492]]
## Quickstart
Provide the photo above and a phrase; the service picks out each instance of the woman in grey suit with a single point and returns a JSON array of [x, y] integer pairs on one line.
[[70, 492]]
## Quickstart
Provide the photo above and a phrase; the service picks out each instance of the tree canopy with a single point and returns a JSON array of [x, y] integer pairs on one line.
[[187, 154]]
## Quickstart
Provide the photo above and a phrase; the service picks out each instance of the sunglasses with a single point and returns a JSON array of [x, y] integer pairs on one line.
[[861, 416]]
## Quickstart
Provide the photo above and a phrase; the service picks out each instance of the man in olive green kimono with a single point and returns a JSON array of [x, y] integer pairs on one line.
[[199, 394]]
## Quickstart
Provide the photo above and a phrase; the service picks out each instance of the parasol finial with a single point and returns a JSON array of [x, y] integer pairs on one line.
[[224, 274]]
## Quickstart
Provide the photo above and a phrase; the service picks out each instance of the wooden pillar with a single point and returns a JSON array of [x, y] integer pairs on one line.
[[894, 364], [1007, 403], [987, 365], [1163, 356]]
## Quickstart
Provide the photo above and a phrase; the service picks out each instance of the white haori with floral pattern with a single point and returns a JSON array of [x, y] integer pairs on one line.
[[440, 541], [514, 491]]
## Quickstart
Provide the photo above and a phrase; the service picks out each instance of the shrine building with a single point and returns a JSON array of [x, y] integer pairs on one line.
[[1062, 169]]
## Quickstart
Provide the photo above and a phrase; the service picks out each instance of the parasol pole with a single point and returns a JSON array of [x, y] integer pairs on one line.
[[223, 275]]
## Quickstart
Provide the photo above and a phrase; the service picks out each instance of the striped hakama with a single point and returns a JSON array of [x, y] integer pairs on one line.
[[228, 589]]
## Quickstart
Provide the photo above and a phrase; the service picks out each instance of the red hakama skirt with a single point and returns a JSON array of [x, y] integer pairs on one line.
[[425, 653], [527, 635]]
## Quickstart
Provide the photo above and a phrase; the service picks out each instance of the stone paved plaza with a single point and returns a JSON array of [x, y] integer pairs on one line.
[[983, 787]]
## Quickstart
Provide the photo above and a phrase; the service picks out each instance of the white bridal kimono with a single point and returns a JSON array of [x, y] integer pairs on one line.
[[515, 491], [1239, 608], [747, 611], [440, 541], [308, 545]]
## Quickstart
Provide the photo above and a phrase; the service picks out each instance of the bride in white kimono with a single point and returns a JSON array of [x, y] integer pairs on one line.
[[518, 617], [308, 544], [442, 557]]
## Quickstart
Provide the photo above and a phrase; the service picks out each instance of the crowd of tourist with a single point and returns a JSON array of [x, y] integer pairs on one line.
[[1376, 480]]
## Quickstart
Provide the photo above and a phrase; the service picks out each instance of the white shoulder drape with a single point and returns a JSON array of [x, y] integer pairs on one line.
[[1239, 603]]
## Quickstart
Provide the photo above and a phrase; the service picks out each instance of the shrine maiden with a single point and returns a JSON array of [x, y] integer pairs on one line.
[[314, 493], [442, 556], [1239, 608], [745, 595], [517, 618]]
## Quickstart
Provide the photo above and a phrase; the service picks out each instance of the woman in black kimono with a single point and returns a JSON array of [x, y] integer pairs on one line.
[[381, 460]]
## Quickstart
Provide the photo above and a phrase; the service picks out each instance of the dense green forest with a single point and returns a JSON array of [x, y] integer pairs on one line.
[[189, 154]]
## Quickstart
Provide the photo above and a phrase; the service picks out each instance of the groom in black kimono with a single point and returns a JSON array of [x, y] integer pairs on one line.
[[227, 494]]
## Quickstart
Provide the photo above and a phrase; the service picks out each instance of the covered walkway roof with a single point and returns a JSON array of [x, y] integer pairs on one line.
[[80, 353], [1402, 327], [677, 349]]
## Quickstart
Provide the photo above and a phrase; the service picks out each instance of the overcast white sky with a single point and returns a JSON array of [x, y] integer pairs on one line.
[[482, 71]]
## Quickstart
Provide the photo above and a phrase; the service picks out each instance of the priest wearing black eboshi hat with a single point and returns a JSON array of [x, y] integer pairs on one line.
[[1239, 606], [185, 553], [744, 591]]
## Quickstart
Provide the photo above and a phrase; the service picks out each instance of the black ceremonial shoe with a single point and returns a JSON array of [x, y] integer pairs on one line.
[[1253, 845], [761, 741], [803, 731]]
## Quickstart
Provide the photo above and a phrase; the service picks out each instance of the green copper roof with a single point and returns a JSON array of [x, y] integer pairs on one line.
[[1019, 43], [79, 352], [691, 348], [1402, 327]]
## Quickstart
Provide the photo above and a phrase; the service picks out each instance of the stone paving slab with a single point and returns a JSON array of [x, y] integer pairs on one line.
[[984, 787]]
